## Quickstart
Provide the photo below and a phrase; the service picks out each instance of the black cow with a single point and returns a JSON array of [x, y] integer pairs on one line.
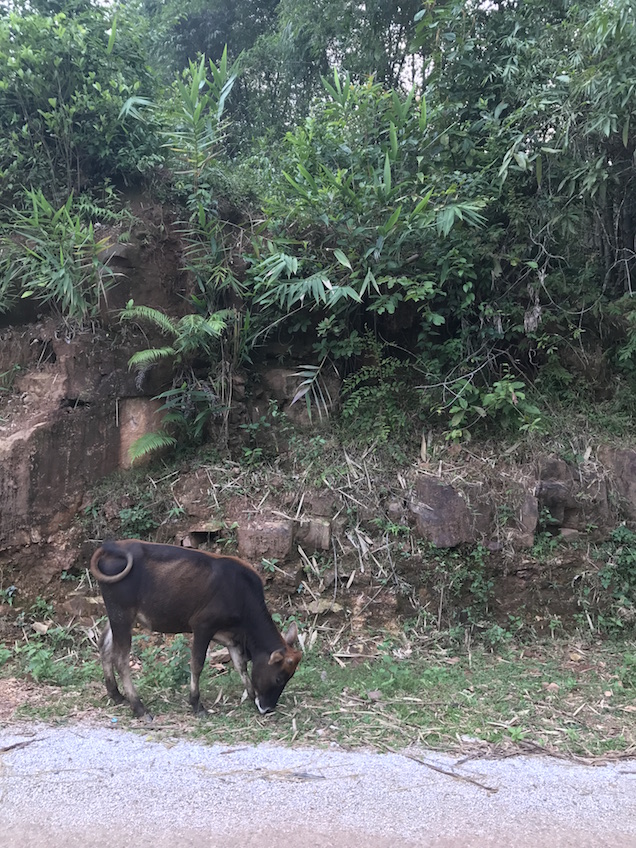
[[179, 590]]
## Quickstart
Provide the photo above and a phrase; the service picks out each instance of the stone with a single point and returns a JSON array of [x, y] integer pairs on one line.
[[441, 514], [265, 538], [528, 519], [621, 464], [314, 534], [575, 496]]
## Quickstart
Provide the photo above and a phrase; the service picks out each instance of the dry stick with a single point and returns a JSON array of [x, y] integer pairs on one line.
[[441, 770], [17, 745]]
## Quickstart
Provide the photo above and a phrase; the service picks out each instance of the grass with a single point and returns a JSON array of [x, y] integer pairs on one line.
[[556, 697]]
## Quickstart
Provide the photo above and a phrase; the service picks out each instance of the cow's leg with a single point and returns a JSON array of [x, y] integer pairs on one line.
[[122, 638], [106, 655], [240, 664], [200, 642]]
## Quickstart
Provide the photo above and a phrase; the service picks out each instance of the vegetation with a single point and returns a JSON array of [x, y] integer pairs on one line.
[[557, 698], [450, 196]]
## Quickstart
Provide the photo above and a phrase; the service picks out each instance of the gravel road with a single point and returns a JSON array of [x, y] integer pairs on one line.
[[88, 786]]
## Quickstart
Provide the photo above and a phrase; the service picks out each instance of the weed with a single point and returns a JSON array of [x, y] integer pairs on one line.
[[137, 521], [163, 666], [253, 457], [7, 595], [41, 609], [607, 594], [390, 528], [57, 657], [269, 565]]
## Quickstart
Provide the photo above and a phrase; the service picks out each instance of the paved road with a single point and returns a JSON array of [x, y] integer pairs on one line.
[[93, 787]]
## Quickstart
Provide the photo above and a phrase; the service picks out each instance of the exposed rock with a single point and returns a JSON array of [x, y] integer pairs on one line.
[[576, 497], [396, 512], [260, 538], [314, 534], [570, 535], [621, 465], [528, 518], [137, 416], [282, 384], [321, 503], [441, 515]]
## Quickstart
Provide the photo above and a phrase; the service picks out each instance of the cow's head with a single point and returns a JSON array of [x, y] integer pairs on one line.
[[270, 674]]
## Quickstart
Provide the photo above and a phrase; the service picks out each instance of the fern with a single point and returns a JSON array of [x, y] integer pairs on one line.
[[143, 358], [149, 443], [147, 313]]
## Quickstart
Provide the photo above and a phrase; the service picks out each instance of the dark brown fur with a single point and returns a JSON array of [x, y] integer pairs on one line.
[[179, 590]]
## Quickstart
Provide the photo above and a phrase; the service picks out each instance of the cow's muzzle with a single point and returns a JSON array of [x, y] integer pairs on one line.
[[262, 710]]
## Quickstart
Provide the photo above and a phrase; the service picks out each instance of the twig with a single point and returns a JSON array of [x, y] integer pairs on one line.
[[463, 777], [17, 745]]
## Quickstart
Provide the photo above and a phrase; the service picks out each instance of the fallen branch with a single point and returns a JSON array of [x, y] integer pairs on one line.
[[463, 777]]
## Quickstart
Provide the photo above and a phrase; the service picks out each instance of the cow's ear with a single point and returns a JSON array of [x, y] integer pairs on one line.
[[292, 634], [275, 657]]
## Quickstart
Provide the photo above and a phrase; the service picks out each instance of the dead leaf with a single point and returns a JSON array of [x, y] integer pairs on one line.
[[550, 687], [374, 695], [40, 628], [323, 605], [575, 657]]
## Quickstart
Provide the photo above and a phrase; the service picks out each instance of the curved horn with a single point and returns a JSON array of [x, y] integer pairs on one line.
[[99, 575]]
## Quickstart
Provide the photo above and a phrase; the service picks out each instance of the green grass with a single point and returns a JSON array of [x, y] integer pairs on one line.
[[554, 697]]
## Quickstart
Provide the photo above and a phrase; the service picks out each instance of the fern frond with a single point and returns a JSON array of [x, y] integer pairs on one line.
[[150, 442], [153, 316], [143, 358]]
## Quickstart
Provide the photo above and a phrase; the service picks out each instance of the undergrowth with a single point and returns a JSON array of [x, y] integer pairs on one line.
[[565, 697]]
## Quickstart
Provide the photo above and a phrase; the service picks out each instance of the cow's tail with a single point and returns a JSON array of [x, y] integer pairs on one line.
[[110, 549]]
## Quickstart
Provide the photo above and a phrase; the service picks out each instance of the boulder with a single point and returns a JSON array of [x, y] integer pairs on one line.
[[441, 514]]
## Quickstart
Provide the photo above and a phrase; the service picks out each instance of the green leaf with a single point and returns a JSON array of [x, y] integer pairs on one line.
[[342, 259], [307, 177], [298, 188], [113, 35], [423, 203], [143, 358], [393, 219], [387, 176], [393, 139]]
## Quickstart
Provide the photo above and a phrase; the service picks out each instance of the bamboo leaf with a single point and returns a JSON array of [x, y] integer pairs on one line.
[[113, 35], [342, 259], [387, 176]]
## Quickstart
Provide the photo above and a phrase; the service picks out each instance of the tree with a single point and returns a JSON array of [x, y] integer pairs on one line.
[[63, 80]]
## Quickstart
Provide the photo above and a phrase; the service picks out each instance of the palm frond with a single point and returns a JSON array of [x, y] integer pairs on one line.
[[314, 389]]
